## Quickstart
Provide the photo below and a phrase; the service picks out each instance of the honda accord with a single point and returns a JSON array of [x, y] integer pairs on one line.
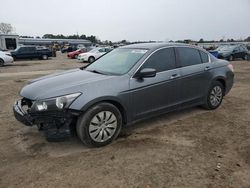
[[124, 86]]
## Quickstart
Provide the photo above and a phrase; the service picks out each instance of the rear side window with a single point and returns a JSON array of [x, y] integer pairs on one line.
[[189, 56], [204, 57], [162, 60]]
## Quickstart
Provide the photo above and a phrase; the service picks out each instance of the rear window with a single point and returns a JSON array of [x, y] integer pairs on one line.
[[189, 56]]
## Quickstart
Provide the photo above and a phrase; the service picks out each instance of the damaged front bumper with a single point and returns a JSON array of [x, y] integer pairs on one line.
[[21, 115], [55, 123]]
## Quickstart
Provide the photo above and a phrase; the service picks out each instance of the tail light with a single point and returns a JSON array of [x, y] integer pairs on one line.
[[230, 66]]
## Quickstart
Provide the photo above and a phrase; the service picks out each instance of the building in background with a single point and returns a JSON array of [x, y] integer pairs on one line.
[[10, 42]]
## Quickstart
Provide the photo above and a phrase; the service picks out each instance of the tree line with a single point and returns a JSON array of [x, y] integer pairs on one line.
[[91, 38], [7, 28]]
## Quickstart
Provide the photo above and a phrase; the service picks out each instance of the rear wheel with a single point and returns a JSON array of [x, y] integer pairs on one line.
[[91, 59], [100, 125], [1, 63], [215, 96]]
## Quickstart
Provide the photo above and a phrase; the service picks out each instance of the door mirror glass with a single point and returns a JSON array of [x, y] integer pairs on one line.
[[146, 73]]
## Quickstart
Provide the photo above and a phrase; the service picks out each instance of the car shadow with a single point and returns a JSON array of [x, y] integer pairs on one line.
[[33, 142], [165, 119]]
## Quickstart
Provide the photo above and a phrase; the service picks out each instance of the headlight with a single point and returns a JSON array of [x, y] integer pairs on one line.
[[57, 103]]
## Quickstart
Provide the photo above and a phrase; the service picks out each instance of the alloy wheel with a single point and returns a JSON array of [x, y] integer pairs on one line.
[[216, 96], [102, 126]]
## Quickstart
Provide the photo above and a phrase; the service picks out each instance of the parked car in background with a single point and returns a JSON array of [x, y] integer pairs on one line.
[[128, 84], [94, 54], [74, 54], [31, 52], [68, 49], [5, 58], [231, 52]]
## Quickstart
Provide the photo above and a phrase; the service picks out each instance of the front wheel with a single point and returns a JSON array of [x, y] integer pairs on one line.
[[91, 59], [44, 57], [100, 125], [230, 58], [215, 96], [245, 57]]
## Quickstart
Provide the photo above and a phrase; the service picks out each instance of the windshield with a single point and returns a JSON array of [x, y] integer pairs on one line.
[[118, 61], [94, 50]]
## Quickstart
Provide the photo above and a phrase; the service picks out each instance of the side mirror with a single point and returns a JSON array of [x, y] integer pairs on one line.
[[146, 73]]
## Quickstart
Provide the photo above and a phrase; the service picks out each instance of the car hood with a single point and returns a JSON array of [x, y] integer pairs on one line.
[[59, 84]]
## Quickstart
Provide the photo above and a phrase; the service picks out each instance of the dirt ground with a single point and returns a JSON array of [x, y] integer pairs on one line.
[[189, 148]]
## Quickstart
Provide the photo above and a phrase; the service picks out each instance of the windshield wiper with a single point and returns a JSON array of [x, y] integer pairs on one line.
[[97, 71]]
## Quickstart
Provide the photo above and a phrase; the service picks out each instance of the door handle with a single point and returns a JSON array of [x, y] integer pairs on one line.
[[207, 68], [174, 76]]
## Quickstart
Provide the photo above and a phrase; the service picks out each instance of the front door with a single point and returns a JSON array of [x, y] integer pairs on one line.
[[149, 95]]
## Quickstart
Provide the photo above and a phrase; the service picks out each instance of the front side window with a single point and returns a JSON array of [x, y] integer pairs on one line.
[[162, 60], [117, 62], [189, 56]]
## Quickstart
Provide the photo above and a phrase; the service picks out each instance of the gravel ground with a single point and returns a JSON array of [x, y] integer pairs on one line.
[[188, 148]]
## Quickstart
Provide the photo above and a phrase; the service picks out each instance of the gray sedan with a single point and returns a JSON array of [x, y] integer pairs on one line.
[[124, 86]]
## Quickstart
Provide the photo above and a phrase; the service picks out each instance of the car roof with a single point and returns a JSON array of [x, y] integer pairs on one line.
[[155, 45]]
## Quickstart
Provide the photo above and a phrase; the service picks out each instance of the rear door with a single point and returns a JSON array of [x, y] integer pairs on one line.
[[242, 52], [33, 52], [158, 93], [237, 52], [195, 74]]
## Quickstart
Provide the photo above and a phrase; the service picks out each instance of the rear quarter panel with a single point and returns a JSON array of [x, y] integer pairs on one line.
[[220, 71]]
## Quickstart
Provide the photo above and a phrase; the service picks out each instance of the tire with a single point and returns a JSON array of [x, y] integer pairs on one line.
[[1, 63], [214, 96], [92, 129], [44, 57], [40, 127], [245, 57], [76, 56], [230, 58], [91, 59]]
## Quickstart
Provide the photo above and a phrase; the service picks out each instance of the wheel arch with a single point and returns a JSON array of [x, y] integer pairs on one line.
[[112, 100], [222, 81]]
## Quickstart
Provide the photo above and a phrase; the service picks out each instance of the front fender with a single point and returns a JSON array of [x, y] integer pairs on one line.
[[103, 99]]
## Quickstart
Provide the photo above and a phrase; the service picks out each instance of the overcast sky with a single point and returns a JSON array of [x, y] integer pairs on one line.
[[130, 19]]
